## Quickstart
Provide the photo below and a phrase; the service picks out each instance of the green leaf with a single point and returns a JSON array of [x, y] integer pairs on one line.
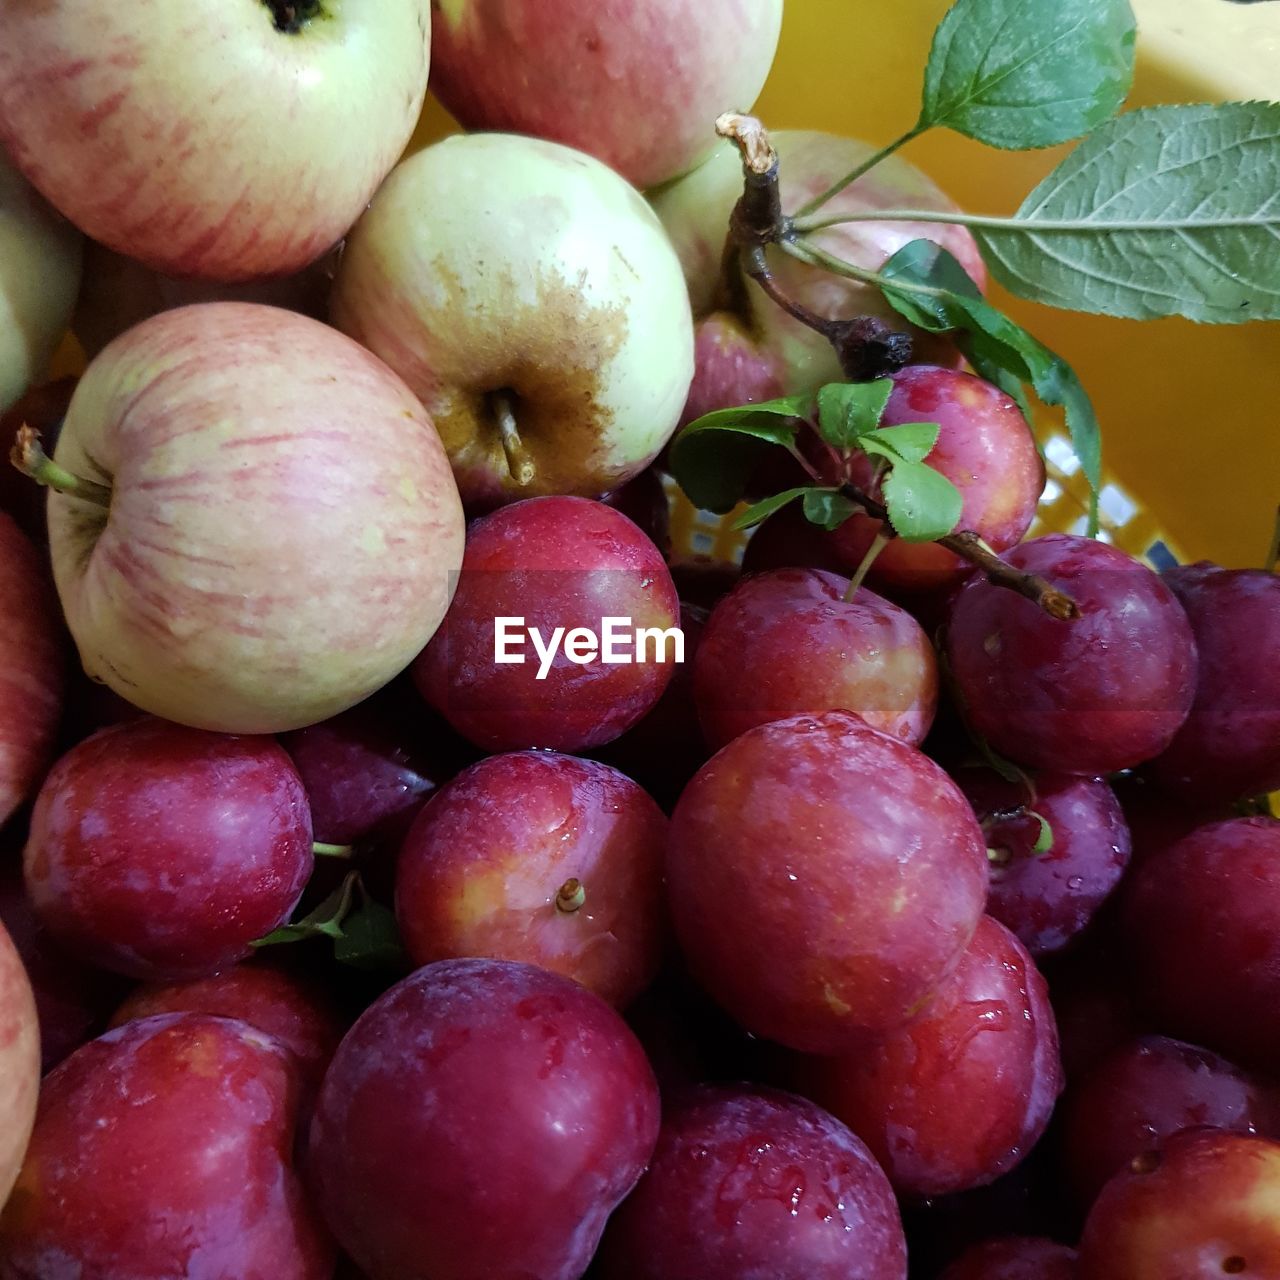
[[906, 442], [370, 938], [1044, 841], [766, 507], [325, 921], [923, 504], [1019, 74], [828, 508], [987, 364], [713, 458], [932, 290], [847, 409], [1166, 211]]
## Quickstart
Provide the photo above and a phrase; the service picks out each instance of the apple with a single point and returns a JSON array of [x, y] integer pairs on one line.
[[31, 668], [637, 85], [695, 210], [19, 1063], [39, 275], [117, 292], [283, 532], [224, 143], [532, 301]]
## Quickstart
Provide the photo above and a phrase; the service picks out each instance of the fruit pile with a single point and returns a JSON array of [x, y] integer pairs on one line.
[[415, 867]]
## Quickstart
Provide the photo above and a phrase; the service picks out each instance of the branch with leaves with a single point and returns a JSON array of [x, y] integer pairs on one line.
[[1165, 211]]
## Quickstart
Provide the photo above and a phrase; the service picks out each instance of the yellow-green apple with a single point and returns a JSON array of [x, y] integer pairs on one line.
[[748, 347], [223, 142], [117, 292], [264, 529], [19, 1063], [639, 86], [31, 671], [39, 274], [531, 299]]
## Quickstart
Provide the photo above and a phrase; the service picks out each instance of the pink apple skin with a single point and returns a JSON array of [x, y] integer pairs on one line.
[[575, 70], [964, 1092], [786, 642], [824, 879], [290, 1009], [31, 668], [283, 531], [19, 1063], [481, 1119], [556, 562], [695, 210], [481, 868], [730, 368], [984, 448], [164, 1150], [162, 852], [213, 145], [117, 292]]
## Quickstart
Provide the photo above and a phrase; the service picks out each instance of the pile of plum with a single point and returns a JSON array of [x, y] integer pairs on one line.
[[899, 919]]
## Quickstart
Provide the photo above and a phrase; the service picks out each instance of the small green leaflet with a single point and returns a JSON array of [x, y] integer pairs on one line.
[[713, 457], [763, 509], [906, 442], [931, 289], [923, 504], [1019, 74], [828, 508], [1165, 211], [848, 409], [1044, 841], [370, 939]]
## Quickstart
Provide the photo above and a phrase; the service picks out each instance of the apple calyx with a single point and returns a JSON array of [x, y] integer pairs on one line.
[[28, 456], [519, 463], [571, 896], [290, 16]]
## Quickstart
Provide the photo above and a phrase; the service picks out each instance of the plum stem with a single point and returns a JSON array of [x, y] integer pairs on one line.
[[322, 850], [31, 460], [518, 461], [571, 896], [878, 544], [1273, 553], [866, 347]]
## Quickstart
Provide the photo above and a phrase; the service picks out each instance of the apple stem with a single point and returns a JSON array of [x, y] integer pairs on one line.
[[878, 544], [571, 896], [518, 461], [322, 850], [31, 460]]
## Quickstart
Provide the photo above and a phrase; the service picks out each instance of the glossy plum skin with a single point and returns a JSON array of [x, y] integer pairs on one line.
[[960, 1095], [754, 1182], [162, 852], [1229, 746], [788, 540], [1015, 1258], [787, 642], [293, 1011], [644, 502], [1101, 693], [481, 1119], [556, 562], [1048, 898], [1203, 922], [481, 869], [823, 880], [367, 771], [665, 748], [1148, 1090], [1206, 1206], [984, 448], [163, 1150], [73, 999]]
